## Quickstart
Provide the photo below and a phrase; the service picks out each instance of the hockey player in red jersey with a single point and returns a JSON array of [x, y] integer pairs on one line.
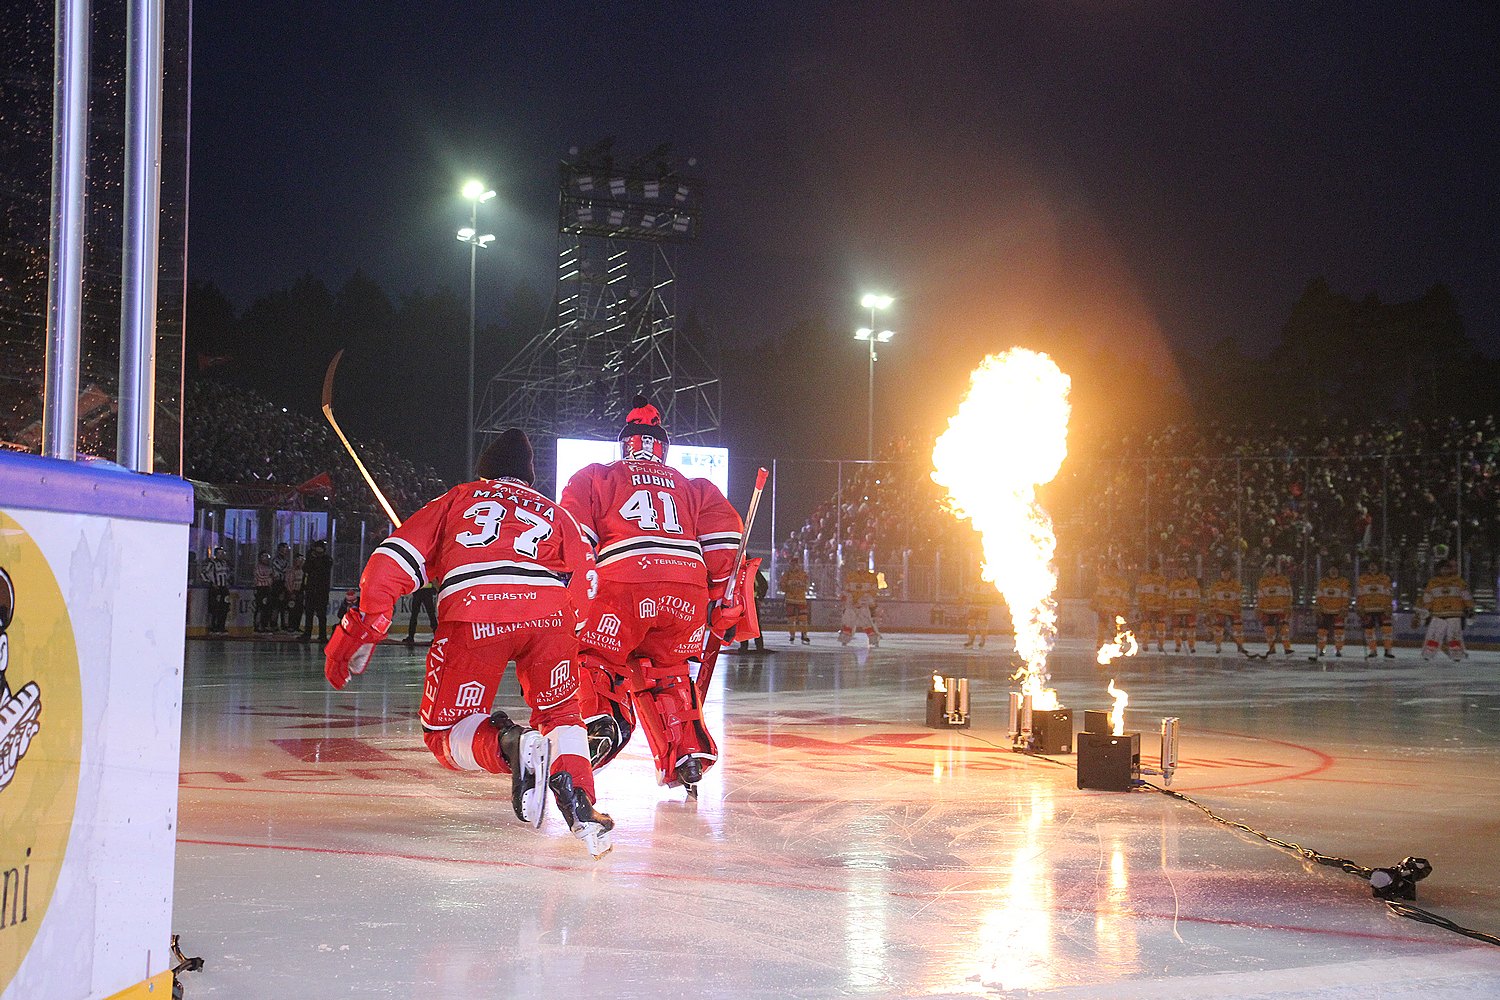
[[515, 578], [666, 546]]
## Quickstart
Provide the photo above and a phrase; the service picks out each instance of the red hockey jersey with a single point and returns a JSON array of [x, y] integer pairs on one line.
[[496, 550], [650, 523]]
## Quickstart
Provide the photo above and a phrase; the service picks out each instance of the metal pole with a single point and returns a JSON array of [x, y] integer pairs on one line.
[[774, 484], [135, 437], [838, 529], [1239, 521], [1385, 496], [70, 120], [870, 423], [1458, 508], [473, 250]]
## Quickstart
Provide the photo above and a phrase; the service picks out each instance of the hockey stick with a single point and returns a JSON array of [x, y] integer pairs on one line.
[[713, 643], [328, 412]]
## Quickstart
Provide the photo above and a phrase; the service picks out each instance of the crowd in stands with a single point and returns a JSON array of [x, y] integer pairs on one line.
[[1310, 492], [1316, 493], [234, 436]]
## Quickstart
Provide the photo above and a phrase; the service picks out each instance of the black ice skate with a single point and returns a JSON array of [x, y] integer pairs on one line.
[[529, 755], [587, 823], [689, 772]]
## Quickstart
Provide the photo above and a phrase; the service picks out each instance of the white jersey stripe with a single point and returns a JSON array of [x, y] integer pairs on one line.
[[497, 578], [400, 558], [685, 547], [649, 551]]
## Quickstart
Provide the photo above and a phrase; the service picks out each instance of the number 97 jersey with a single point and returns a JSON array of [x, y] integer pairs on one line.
[[495, 549], [650, 523]]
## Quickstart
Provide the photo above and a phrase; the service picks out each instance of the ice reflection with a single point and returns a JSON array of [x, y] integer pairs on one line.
[[1115, 937], [864, 930], [1015, 937]]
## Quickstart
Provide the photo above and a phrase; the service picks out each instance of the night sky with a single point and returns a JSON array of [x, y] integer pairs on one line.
[[1142, 175]]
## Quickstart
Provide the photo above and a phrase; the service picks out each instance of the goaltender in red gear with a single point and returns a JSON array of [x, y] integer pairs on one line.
[[515, 578], [665, 545]]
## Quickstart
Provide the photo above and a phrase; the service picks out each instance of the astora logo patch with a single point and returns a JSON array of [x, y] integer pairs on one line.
[[470, 695], [648, 608], [560, 674], [609, 625]]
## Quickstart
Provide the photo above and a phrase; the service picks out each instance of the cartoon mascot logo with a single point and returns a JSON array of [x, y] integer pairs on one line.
[[41, 752], [21, 709]]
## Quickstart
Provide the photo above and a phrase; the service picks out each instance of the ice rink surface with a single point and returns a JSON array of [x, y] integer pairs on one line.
[[840, 848]]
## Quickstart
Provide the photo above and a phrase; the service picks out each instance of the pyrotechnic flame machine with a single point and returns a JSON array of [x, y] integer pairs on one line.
[[1036, 730], [1020, 718], [948, 702], [1168, 749]]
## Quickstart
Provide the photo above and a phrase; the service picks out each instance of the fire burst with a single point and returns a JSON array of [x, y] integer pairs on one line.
[[1010, 436], [1123, 644], [1117, 714]]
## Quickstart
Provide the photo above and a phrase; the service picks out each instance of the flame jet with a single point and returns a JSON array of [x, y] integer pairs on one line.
[[1010, 436]]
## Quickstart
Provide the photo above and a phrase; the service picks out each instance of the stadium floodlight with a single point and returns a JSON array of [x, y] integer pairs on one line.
[[873, 301], [477, 193], [627, 205]]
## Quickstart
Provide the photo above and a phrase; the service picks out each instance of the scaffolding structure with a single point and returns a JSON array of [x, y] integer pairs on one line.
[[612, 330]]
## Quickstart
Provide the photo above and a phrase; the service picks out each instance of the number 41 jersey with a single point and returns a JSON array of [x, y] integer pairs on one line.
[[650, 523], [495, 549]]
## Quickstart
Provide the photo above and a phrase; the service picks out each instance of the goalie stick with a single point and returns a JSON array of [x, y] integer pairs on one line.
[[712, 642], [328, 412]]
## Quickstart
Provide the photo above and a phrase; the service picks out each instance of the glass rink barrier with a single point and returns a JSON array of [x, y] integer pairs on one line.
[[92, 587]]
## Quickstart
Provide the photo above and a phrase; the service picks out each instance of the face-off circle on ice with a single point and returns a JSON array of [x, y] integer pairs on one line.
[[41, 727]]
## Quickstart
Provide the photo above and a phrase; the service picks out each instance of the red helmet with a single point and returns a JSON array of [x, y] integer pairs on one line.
[[643, 436]]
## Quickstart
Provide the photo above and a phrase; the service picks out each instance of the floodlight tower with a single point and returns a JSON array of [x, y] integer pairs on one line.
[[612, 330], [477, 194], [873, 301]]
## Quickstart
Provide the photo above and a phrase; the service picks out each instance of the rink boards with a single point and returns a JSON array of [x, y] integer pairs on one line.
[[94, 562]]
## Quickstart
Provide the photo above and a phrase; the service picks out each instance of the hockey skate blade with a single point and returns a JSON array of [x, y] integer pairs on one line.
[[535, 753], [596, 838]]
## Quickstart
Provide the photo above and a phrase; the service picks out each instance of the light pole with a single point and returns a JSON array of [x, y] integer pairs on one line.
[[873, 302], [476, 192]]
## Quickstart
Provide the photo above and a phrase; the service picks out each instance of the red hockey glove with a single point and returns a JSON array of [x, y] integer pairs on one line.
[[352, 643], [723, 617]]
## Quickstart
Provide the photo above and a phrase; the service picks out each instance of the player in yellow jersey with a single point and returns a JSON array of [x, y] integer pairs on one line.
[[1273, 603], [1111, 600], [859, 606], [1333, 609], [1185, 595], [1151, 599], [1374, 597], [1226, 600], [977, 613], [1447, 602], [794, 587]]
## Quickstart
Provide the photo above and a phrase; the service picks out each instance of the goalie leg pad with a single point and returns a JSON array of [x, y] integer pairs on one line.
[[670, 712], [605, 704]]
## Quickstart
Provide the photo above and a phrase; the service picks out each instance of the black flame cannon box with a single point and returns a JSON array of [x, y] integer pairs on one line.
[[1106, 762], [1052, 730], [948, 703]]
